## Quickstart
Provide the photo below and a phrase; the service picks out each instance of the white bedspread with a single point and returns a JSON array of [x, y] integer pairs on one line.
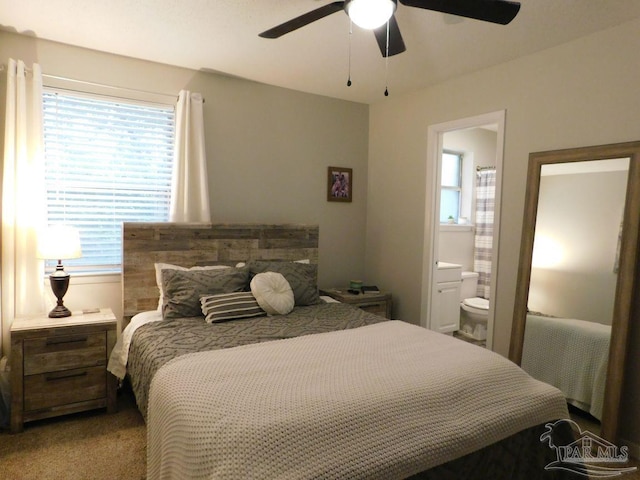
[[120, 353], [382, 401], [571, 355]]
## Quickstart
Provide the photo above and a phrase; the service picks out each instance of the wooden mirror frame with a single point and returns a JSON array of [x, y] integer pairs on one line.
[[624, 295]]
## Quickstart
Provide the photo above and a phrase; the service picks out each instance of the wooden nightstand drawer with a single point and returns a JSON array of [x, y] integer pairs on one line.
[[60, 352], [377, 308], [51, 389], [59, 365]]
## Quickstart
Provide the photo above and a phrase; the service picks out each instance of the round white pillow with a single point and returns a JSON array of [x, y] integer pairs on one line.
[[273, 293]]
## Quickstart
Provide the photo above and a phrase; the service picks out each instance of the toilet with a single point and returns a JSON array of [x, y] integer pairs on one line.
[[474, 311]]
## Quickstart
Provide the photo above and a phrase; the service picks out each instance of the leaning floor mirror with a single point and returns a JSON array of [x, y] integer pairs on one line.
[[575, 287]]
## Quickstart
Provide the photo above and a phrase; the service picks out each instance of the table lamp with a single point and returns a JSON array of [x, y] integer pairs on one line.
[[59, 242]]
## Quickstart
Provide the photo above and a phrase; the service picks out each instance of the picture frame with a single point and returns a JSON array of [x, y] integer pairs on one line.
[[339, 184]]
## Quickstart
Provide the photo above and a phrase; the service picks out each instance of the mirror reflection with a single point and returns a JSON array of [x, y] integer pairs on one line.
[[574, 272], [577, 292]]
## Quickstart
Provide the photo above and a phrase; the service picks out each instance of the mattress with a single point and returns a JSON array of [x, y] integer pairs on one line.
[[387, 400], [458, 440]]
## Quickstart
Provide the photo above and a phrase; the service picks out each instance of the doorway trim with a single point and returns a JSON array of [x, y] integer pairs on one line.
[[432, 209]]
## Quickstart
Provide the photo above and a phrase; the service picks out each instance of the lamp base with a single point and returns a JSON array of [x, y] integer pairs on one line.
[[59, 284], [59, 311]]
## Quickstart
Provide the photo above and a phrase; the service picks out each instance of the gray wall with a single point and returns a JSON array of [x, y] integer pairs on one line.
[[580, 215], [268, 150], [581, 93]]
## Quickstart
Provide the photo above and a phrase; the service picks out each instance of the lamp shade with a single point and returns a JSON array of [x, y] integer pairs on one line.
[[370, 14], [59, 242]]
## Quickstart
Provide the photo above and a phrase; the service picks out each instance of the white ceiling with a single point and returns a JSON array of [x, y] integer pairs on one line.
[[222, 36]]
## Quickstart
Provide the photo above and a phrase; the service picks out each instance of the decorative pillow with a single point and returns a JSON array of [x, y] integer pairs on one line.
[[301, 276], [229, 306], [304, 260], [168, 266], [183, 288], [273, 293]]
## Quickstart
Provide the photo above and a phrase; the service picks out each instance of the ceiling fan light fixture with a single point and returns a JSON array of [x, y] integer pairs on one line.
[[370, 14]]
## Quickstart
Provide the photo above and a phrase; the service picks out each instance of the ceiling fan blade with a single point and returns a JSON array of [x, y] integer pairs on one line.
[[495, 11], [396, 44], [302, 20]]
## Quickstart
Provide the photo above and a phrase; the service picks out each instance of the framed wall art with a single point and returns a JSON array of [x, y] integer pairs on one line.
[[339, 184]]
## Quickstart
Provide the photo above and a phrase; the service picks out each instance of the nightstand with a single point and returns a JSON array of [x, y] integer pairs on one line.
[[378, 303], [59, 365]]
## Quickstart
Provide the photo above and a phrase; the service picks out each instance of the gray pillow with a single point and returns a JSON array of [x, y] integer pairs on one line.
[[183, 288], [301, 276], [230, 306]]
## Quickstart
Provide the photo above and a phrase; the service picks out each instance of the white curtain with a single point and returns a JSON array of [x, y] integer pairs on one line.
[[23, 197], [190, 187]]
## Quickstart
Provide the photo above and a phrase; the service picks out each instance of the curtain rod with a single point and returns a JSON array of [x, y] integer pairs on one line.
[[3, 67], [107, 87], [479, 169]]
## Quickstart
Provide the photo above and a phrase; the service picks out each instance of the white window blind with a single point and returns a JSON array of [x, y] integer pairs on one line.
[[107, 161]]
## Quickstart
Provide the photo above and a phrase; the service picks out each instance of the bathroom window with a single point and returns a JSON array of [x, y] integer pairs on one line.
[[451, 186]]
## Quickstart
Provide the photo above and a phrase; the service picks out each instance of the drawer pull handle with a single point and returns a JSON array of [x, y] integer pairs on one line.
[[57, 341], [52, 378]]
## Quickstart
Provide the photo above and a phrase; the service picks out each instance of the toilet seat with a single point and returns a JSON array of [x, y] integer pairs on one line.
[[476, 305]]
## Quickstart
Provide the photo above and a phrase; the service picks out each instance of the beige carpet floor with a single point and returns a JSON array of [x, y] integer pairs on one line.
[[86, 446]]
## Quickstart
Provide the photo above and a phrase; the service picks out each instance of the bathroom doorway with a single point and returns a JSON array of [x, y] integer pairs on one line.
[[456, 229]]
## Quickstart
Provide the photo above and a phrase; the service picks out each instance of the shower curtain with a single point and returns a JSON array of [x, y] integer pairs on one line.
[[485, 205]]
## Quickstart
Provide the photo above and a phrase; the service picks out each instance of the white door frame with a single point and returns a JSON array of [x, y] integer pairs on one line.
[[432, 209]]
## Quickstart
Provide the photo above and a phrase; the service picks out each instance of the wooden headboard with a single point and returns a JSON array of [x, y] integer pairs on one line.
[[186, 244]]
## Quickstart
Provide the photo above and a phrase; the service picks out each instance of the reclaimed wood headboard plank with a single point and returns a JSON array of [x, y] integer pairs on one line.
[[190, 244]]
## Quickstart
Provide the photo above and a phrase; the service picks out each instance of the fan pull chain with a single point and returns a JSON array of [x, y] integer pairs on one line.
[[386, 66], [350, 32]]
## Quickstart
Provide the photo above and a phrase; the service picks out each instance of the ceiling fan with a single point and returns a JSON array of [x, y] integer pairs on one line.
[[382, 11]]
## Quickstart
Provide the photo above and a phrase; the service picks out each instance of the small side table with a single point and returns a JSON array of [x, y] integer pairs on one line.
[[59, 365], [378, 303]]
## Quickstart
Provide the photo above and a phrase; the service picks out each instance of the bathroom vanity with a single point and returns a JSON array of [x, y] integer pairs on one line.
[[445, 305]]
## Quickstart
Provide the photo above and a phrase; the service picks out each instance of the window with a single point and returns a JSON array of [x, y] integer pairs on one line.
[[107, 160], [451, 186]]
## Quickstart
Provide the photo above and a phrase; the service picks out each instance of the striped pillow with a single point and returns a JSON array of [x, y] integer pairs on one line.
[[229, 306]]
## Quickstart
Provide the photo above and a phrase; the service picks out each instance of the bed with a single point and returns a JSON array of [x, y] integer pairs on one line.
[[571, 355], [324, 391]]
